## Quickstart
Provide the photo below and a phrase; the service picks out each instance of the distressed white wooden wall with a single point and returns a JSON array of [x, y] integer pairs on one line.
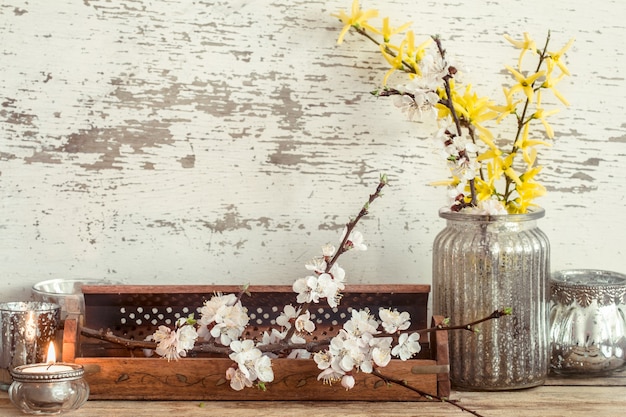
[[160, 141]]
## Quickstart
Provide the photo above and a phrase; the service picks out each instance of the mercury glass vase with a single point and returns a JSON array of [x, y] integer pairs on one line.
[[587, 322], [483, 263]]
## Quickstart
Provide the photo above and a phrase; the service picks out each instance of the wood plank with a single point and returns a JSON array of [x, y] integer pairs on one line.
[[617, 379], [204, 379], [71, 338], [546, 401]]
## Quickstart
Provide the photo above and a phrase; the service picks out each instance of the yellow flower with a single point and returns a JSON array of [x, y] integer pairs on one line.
[[491, 153], [530, 155], [527, 146], [524, 83], [395, 61], [495, 170], [529, 175], [542, 114], [387, 31], [528, 190], [526, 45], [509, 108], [414, 55], [357, 19], [554, 58], [484, 190], [475, 110], [551, 83], [452, 182]]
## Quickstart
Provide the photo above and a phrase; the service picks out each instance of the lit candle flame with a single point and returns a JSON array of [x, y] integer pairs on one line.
[[52, 354]]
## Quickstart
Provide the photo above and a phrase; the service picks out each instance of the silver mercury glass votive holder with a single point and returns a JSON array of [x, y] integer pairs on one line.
[[587, 322], [48, 389]]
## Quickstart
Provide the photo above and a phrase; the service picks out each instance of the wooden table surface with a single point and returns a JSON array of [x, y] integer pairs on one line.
[[597, 397]]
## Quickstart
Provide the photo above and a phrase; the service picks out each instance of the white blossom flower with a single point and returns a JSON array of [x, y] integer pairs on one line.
[[244, 351], [186, 336], [245, 354], [317, 265], [274, 336], [418, 98], [173, 344], [330, 375], [230, 323], [323, 359], [459, 151], [211, 310], [288, 315], [252, 364], [355, 347], [148, 352], [328, 250], [361, 322], [355, 240], [306, 288], [376, 351], [329, 288], [381, 351], [304, 324], [238, 380], [339, 275], [263, 369], [394, 321], [310, 289], [491, 207], [213, 305], [407, 346], [418, 105], [348, 351], [299, 354], [347, 381]]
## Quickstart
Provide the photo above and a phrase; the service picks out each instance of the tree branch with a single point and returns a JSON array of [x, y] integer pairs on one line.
[[402, 383]]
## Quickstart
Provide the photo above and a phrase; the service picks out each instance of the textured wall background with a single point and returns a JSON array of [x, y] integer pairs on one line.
[[160, 141]]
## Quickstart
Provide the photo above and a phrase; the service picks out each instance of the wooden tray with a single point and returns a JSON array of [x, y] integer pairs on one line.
[[114, 372]]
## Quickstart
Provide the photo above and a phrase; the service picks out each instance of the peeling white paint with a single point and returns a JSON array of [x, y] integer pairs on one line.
[[224, 142]]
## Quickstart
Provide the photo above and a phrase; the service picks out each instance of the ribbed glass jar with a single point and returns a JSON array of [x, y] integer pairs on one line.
[[484, 263]]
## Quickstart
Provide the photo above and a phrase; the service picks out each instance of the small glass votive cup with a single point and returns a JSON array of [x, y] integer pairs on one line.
[[26, 330], [67, 293], [587, 322], [48, 389]]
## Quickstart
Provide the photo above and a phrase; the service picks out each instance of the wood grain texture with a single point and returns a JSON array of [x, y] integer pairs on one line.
[[203, 379], [546, 401], [222, 142]]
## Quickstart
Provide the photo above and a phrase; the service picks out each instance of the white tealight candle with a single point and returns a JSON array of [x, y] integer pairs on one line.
[[50, 367], [47, 368]]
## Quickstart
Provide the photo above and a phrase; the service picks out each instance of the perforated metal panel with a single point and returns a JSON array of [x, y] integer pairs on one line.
[[138, 313]]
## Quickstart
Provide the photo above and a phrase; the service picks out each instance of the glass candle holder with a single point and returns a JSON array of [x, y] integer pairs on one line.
[[67, 293], [26, 330], [46, 389], [587, 322]]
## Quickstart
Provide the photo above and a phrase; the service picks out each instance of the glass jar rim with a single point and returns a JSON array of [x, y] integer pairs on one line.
[[63, 286], [532, 214], [27, 306], [19, 373], [588, 278]]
